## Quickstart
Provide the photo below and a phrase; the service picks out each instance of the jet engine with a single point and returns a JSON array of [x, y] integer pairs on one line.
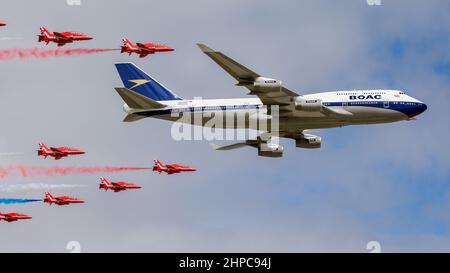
[[308, 105], [266, 84], [270, 150], [308, 141]]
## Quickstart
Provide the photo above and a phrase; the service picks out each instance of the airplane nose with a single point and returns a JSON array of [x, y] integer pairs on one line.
[[418, 109], [421, 108]]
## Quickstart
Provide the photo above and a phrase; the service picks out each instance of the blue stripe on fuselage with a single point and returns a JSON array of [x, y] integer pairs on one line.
[[410, 109]]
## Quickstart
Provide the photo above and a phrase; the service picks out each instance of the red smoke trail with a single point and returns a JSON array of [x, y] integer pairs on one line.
[[27, 171], [44, 53]]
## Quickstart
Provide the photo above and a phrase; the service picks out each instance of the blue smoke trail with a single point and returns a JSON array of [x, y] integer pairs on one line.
[[9, 201]]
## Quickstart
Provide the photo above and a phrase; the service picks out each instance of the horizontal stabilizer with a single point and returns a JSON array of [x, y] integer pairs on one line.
[[132, 117], [137, 101]]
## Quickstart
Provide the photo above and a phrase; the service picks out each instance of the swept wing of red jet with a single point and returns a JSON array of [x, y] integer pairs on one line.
[[143, 49], [13, 216], [60, 200], [61, 38], [116, 186], [171, 168], [57, 152]]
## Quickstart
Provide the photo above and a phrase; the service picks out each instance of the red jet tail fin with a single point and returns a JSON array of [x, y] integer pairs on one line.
[[159, 164], [45, 32], [44, 148], [128, 44], [104, 181], [49, 196]]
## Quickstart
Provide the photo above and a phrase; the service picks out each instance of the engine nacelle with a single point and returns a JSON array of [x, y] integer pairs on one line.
[[308, 105], [266, 84], [270, 150], [308, 142]]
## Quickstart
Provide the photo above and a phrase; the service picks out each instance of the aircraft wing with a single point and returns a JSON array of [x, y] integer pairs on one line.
[[117, 185], [57, 151], [247, 77], [143, 47], [228, 147], [171, 167], [249, 142], [61, 36]]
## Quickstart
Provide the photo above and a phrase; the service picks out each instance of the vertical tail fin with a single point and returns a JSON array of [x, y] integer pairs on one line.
[[128, 44], [49, 196], [44, 148], [159, 164], [140, 82], [46, 33], [104, 181]]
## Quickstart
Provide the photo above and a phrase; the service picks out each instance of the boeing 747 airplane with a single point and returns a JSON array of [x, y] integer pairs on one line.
[[295, 113]]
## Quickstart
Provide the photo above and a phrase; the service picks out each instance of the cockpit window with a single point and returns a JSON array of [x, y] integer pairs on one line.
[[401, 93]]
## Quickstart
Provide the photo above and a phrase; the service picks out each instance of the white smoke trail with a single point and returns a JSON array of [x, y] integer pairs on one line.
[[24, 188], [9, 38], [10, 154]]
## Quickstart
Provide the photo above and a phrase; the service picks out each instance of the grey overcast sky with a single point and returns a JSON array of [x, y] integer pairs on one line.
[[389, 183]]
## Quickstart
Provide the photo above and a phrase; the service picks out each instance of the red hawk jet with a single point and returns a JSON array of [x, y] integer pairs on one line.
[[60, 38], [171, 168], [2, 24], [116, 186], [143, 49], [12, 216], [57, 152], [60, 200]]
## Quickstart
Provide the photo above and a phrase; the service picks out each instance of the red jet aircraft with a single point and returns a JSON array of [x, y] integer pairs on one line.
[[171, 168], [57, 152], [116, 186], [12, 216], [2, 24], [143, 49], [61, 38], [60, 200]]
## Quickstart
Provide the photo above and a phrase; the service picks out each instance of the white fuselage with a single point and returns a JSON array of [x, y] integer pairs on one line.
[[362, 106]]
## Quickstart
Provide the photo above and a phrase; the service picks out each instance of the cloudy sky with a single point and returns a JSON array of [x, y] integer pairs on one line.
[[388, 183]]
